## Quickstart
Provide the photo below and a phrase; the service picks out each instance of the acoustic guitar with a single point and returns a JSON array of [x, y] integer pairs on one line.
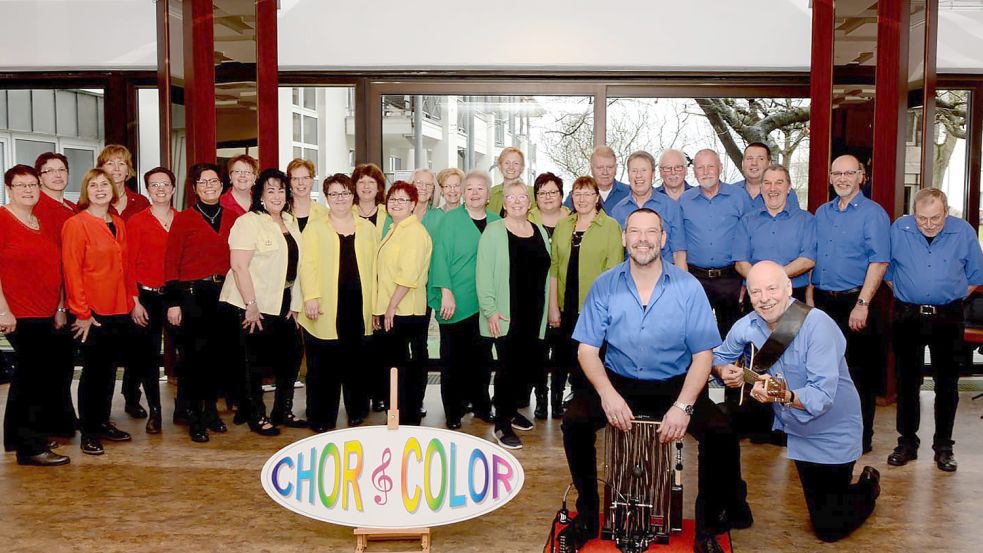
[[775, 386]]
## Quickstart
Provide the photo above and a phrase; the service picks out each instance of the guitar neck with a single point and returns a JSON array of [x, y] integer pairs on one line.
[[750, 377]]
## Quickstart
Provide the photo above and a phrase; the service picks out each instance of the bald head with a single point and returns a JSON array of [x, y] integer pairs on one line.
[[769, 290]]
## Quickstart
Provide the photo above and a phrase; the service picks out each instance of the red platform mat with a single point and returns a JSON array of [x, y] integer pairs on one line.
[[681, 543]]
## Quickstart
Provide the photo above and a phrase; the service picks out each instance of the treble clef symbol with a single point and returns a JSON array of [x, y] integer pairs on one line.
[[380, 480]]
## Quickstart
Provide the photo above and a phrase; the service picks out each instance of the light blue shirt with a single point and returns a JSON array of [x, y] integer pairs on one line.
[[652, 342], [710, 225], [849, 241], [934, 274], [759, 202], [787, 236], [672, 220], [619, 191], [662, 189], [829, 429]]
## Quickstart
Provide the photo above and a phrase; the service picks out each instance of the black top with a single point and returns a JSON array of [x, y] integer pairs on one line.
[[348, 320], [302, 222], [549, 231], [211, 213], [293, 254], [480, 223], [529, 265], [930, 239], [112, 228], [371, 218], [571, 293]]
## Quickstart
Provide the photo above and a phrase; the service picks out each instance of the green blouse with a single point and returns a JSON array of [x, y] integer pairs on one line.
[[600, 250], [453, 264]]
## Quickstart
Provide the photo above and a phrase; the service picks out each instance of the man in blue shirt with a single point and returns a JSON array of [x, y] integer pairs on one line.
[[711, 217], [757, 157], [656, 326], [854, 248], [936, 263], [604, 167], [777, 233], [641, 172], [672, 169], [820, 410]]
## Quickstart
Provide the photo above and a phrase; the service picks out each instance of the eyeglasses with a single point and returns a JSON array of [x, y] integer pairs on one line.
[[672, 168], [59, 171], [160, 184], [338, 195], [241, 172], [517, 198], [27, 185], [399, 201], [547, 193], [452, 187], [838, 174], [583, 195], [421, 184], [301, 179], [210, 182]]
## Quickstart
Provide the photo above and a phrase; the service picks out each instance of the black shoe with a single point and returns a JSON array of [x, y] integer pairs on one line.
[[53, 445], [901, 455], [240, 417], [264, 427], [423, 411], [541, 412], [153, 422], [43, 459], [520, 422], [454, 424], [507, 438], [740, 518], [290, 421], [706, 543], [108, 431], [181, 416], [378, 405], [199, 435], [578, 533], [218, 426], [557, 411], [319, 428], [872, 475], [484, 416], [946, 461], [355, 421], [91, 445], [135, 410]]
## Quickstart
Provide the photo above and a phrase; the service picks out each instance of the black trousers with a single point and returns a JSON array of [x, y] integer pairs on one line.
[[208, 345], [59, 411], [104, 349], [520, 354], [836, 507], [465, 369], [335, 367], [277, 346], [24, 419], [943, 334], [720, 487], [724, 294], [862, 355], [559, 360], [401, 347], [143, 365]]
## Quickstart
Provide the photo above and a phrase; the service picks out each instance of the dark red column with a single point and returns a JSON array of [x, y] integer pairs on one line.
[[267, 83], [199, 81], [890, 104], [820, 101]]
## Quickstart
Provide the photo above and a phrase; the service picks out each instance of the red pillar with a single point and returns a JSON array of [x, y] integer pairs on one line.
[[890, 105], [820, 102], [199, 81], [267, 83]]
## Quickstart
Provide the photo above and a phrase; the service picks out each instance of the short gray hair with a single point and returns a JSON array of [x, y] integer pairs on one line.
[[641, 154], [479, 174]]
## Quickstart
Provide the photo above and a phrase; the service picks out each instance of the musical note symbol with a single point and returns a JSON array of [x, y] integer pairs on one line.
[[380, 480]]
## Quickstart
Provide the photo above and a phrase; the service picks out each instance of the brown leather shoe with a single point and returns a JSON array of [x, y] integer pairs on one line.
[[43, 459]]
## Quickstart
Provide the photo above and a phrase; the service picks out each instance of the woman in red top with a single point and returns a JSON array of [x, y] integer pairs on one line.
[[195, 264], [147, 232], [243, 170], [30, 298], [117, 161], [99, 292]]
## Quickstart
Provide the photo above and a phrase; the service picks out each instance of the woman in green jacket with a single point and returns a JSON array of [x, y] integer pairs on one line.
[[513, 287], [466, 355], [585, 244]]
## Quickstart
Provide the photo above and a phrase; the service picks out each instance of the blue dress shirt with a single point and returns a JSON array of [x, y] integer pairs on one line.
[[759, 202], [783, 238], [934, 274], [710, 225], [654, 342], [829, 429], [672, 220], [848, 241], [619, 191], [662, 189]]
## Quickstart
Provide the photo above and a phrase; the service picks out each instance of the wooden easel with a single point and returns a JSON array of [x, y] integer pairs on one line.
[[364, 535]]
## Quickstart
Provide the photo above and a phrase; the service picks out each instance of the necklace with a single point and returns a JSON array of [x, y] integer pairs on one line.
[[210, 218], [166, 221], [31, 222]]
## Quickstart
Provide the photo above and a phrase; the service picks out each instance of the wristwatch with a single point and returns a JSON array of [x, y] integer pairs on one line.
[[862, 302], [685, 407]]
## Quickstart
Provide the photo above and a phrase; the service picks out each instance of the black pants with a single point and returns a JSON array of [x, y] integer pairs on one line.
[[836, 507], [465, 369], [943, 334], [31, 384], [278, 347], [401, 348], [861, 354], [559, 361], [724, 294], [59, 411], [207, 346], [104, 349], [335, 367], [143, 366], [720, 487], [520, 354]]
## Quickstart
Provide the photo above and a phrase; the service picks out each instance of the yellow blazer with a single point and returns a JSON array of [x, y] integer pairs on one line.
[[403, 260], [318, 273], [258, 233], [380, 218]]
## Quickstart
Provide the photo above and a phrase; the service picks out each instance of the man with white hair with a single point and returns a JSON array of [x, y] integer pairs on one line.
[[604, 167], [672, 169]]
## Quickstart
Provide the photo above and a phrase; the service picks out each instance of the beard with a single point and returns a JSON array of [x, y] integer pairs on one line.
[[644, 258]]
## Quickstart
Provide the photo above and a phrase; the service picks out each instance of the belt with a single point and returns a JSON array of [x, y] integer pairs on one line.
[[719, 272], [217, 279], [152, 290], [840, 294], [929, 310]]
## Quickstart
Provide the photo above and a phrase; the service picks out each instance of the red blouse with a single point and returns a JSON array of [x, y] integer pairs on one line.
[[30, 268], [194, 249], [148, 242], [53, 215], [135, 203], [229, 203], [95, 266]]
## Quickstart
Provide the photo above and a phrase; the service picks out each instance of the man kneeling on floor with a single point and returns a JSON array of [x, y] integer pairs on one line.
[[819, 409], [658, 330]]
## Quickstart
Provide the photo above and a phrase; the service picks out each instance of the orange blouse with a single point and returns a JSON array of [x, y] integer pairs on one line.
[[95, 266]]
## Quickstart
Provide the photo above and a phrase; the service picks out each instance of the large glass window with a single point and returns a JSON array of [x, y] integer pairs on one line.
[[318, 124], [950, 160]]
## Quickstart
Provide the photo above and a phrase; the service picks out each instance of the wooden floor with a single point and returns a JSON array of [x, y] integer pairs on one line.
[[164, 493]]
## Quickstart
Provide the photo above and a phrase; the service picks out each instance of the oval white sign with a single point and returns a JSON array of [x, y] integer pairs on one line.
[[379, 478]]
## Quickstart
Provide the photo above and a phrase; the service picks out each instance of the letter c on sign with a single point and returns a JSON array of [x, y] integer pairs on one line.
[[285, 492], [410, 503]]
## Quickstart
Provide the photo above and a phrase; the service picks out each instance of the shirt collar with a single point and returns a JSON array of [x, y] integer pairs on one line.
[[908, 225]]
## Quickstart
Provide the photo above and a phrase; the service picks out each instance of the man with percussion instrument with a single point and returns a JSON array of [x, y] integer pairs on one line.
[[654, 323], [818, 408]]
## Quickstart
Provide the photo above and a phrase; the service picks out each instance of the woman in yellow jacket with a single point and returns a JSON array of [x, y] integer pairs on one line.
[[585, 244], [304, 208], [370, 193], [337, 279], [265, 246]]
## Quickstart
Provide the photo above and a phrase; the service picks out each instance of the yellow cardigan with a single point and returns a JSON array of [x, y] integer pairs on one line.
[[318, 273], [380, 218], [404, 260], [258, 233]]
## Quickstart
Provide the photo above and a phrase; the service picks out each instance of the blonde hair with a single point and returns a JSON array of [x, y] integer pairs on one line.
[[511, 150], [91, 174], [117, 150], [297, 163]]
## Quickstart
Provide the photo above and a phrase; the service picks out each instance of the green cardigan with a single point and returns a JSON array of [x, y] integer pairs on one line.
[[492, 279], [600, 250], [452, 266]]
